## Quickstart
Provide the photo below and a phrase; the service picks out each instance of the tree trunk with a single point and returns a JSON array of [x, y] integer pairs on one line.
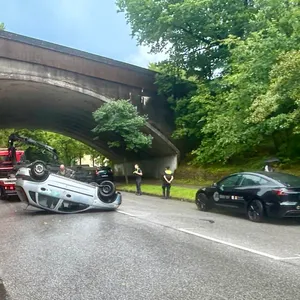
[[125, 171]]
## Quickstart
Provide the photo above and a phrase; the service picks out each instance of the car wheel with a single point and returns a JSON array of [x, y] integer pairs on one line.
[[202, 202], [255, 211], [107, 189], [2, 194], [39, 170]]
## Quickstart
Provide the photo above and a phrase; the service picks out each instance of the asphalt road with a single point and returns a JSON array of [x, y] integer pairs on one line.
[[150, 249]]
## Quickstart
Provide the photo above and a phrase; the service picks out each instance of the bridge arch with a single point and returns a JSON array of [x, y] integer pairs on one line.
[[51, 87], [63, 103]]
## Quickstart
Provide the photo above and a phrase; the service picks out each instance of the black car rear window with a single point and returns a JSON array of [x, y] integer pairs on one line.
[[286, 179]]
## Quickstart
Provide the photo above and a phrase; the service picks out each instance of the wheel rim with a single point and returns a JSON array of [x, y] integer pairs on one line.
[[200, 203], [254, 210], [106, 189], [39, 169]]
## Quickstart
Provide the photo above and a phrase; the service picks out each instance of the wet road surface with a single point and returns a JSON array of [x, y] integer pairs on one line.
[[141, 252]]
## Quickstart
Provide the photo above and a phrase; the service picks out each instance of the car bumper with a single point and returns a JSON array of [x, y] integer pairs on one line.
[[10, 193], [284, 210]]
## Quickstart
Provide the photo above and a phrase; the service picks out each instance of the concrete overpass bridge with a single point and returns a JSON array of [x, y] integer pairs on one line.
[[56, 88]]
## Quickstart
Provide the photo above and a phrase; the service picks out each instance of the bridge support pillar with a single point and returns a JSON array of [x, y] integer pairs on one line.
[[152, 168]]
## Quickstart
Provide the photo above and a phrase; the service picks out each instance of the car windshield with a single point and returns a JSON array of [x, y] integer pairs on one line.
[[286, 179]]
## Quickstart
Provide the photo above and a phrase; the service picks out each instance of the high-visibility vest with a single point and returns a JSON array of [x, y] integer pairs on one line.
[[168, 174]]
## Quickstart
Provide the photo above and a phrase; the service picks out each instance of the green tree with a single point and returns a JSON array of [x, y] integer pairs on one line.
[[248, 111], [122, 122], [199, 57], [96, 156], [174, 85], [4, 134], [2, 27], [194, 30], [252, 105], [69, 150]]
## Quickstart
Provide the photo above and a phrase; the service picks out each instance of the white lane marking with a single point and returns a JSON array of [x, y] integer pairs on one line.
[[129, 214], [125, 213], [274, 257], [292, 257], [238, 246], [229, 244]]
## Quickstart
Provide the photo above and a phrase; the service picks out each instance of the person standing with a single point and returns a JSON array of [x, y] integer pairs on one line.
[[63, 171], [268, 168], [167, 179], [138, 179]]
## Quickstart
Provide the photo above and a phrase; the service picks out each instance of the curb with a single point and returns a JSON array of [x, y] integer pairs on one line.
[[157, 196]]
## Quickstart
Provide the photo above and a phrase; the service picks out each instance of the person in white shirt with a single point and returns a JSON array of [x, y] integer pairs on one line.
[[268, 168]]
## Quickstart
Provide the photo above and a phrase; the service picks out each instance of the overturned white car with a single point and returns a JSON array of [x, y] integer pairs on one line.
[[37, 187]]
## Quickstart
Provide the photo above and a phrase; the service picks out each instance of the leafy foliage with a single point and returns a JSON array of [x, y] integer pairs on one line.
[[2, 27], [68, 149], [174, 85], [193, 29], [123, 123], [242, 56], [249, 111]]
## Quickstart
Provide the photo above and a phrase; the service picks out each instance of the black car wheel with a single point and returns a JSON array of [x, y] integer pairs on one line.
[[39, 170], [255, 211], [2, 194], [107, 189], [202, 202]]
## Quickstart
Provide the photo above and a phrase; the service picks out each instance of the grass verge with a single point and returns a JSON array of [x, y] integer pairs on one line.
[[177, 192], [206, 175]]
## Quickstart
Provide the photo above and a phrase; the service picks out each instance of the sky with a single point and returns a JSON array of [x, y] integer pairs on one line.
[[88, 25]]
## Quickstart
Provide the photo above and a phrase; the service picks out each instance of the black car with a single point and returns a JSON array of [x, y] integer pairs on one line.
[[258, 194], [84, 173], [104, 173]]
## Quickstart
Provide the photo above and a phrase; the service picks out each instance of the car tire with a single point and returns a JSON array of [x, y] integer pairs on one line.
[[106, 189], [38, 170], [256, 211], [2, 194], [202, 202]]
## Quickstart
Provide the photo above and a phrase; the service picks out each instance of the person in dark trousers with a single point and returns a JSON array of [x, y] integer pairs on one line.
[[138, 179], [167, 179]]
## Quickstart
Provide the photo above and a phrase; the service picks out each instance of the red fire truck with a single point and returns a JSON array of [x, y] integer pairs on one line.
[[7, 178], [11, 159]]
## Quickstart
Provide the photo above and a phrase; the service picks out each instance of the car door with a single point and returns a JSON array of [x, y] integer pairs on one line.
[[250, 187], [78, 196], [80, 192], [226, 189]]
